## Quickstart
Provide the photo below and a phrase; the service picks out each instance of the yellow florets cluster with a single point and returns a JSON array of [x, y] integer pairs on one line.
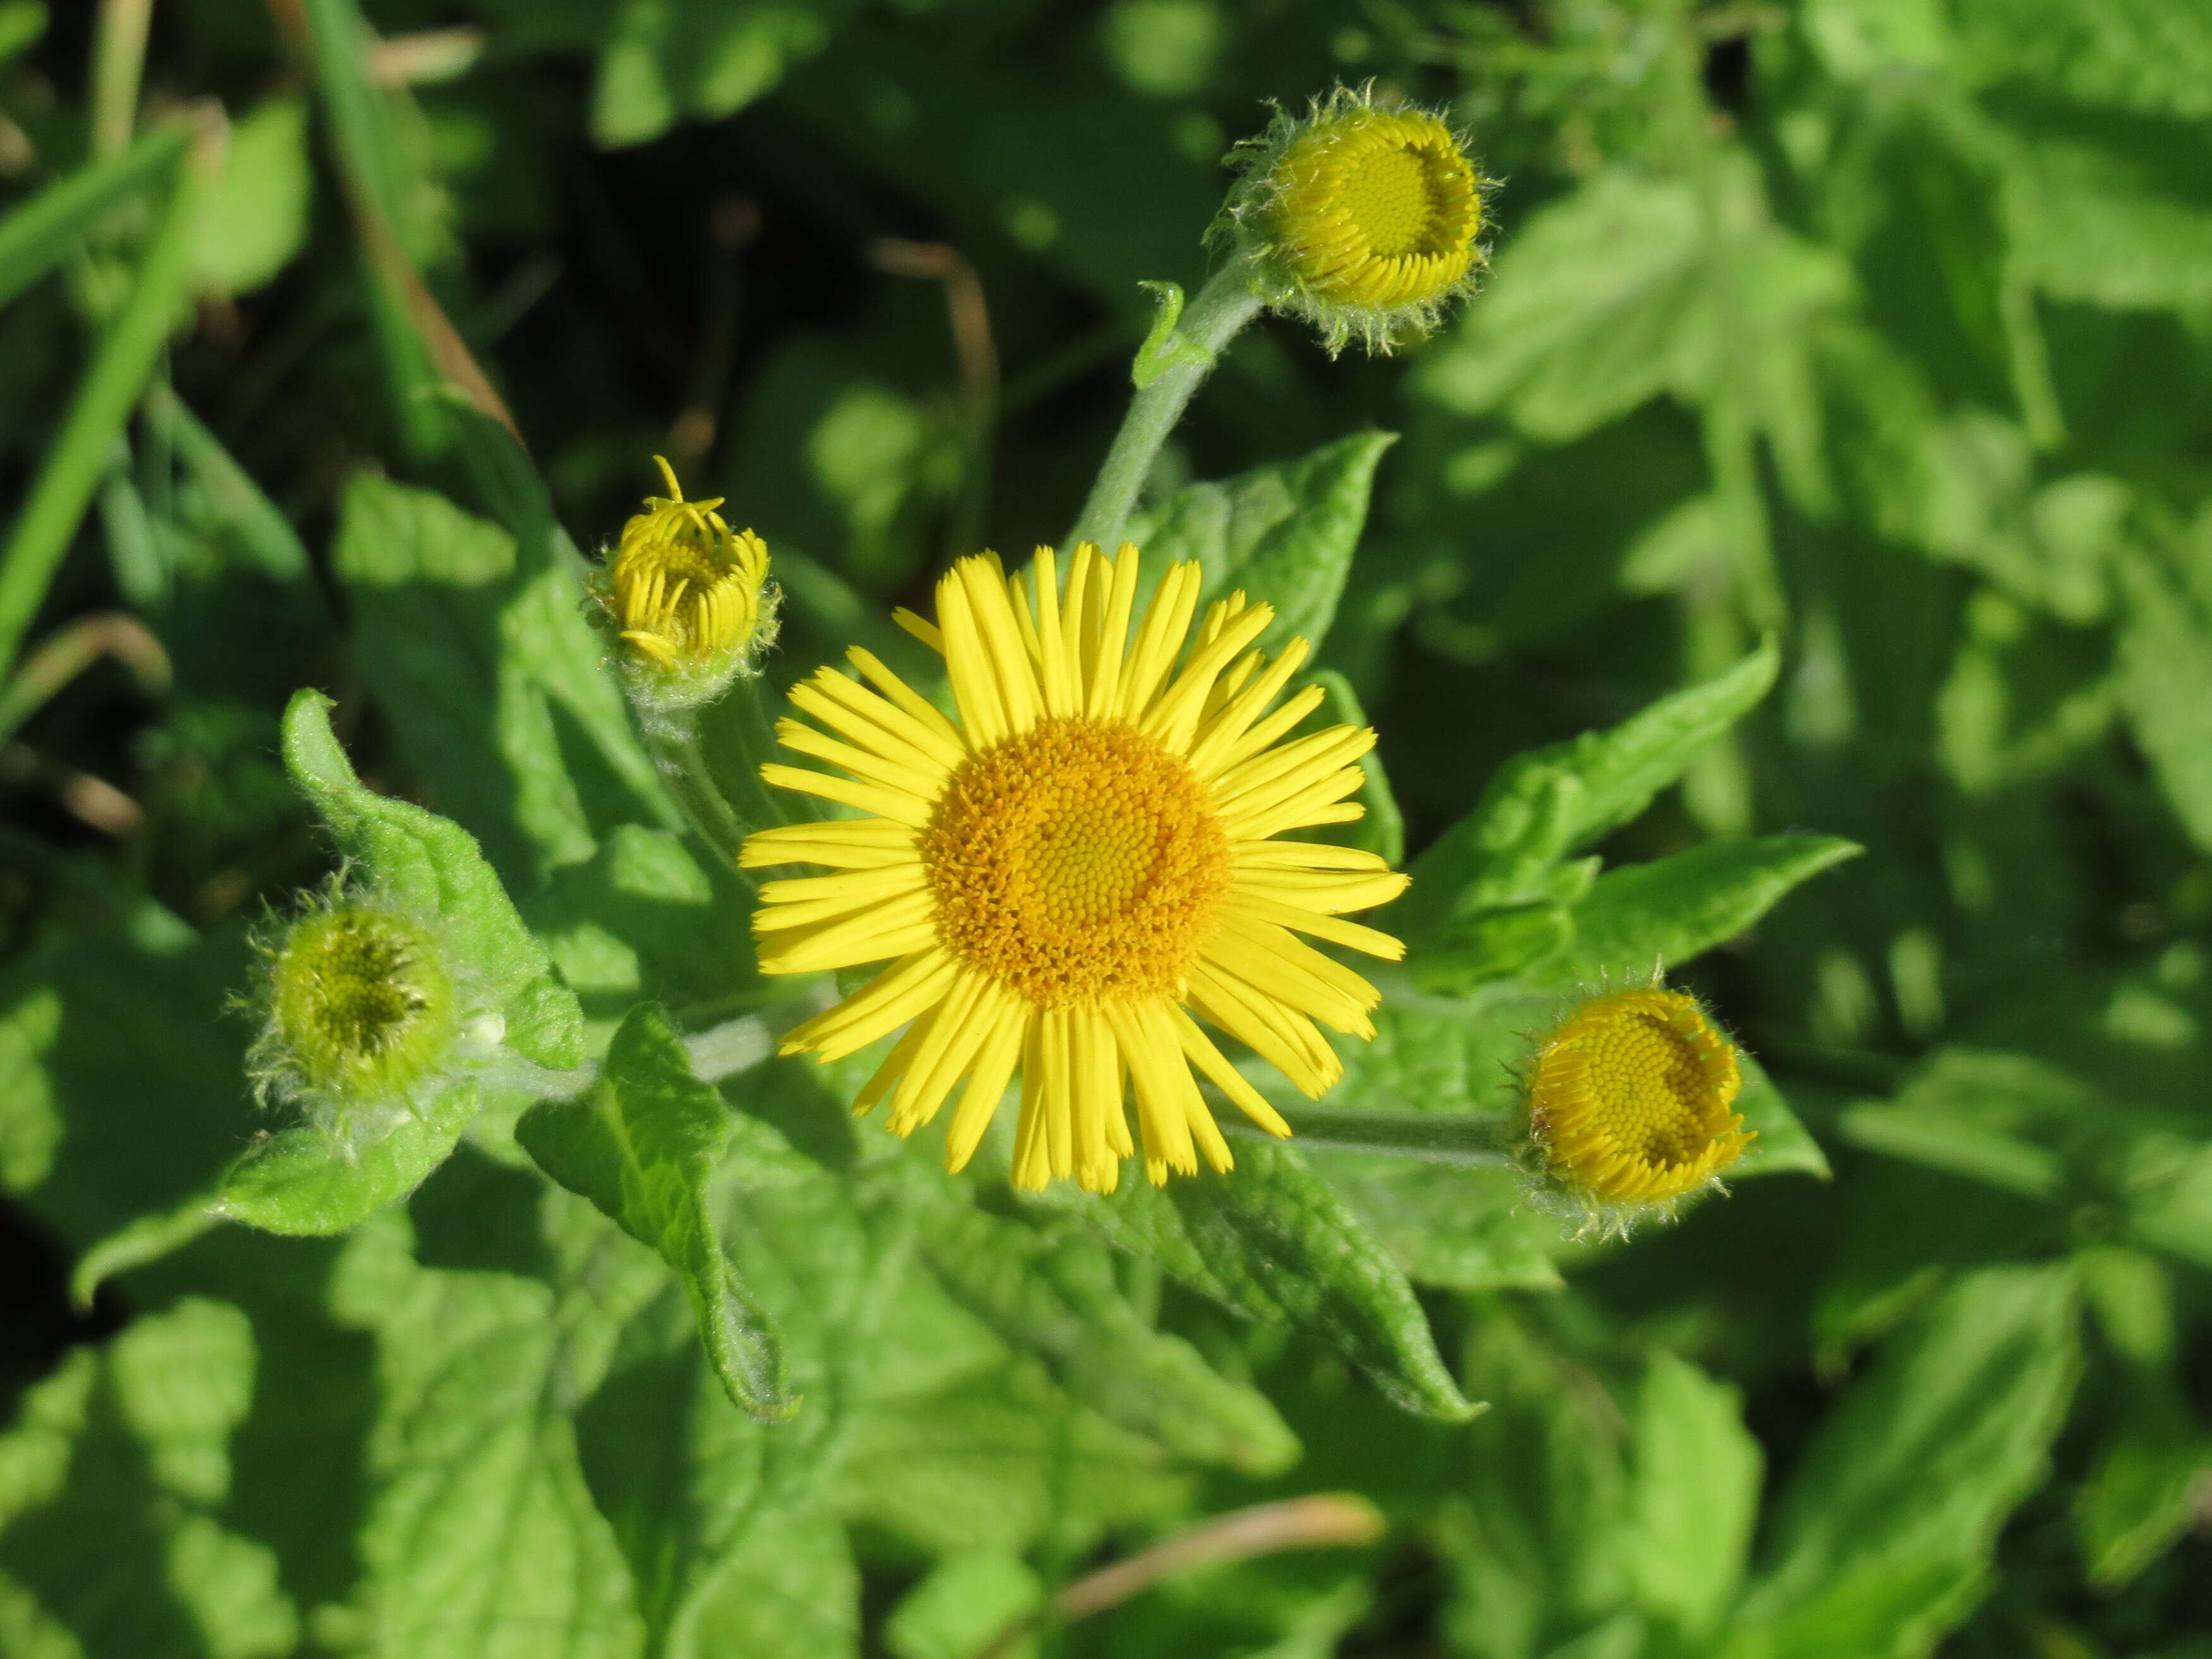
[[689, 598], [1629, 1105]]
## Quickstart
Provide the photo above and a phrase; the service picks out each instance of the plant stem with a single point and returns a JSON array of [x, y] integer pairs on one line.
[[677, 749], [1223, 307], [1321, 1521], [119, 63]]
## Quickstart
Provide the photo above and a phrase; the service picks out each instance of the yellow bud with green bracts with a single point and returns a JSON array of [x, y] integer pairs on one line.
[[364, 1017], [689, 599], [1365, 217], [1630, 1104]]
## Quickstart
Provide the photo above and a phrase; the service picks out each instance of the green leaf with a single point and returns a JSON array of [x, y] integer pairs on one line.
[[128, 1554], [433, 868], [30, 1127], [47, 522], [1285, 532], [793, 1592], [261, 530], [1673, 909], [2140, 1495], [1636, 284], [2166, 1180], [494, 678], [642, 1143], [992, 1460], [481, 1539], [1462, 1229], [2108, 212], [2166, 684], [1784, 1146], [1882, 1543], [647, 918], [84, 1024], [37, 235], [964, 1602], [256, 218], [1056, 1297], [1988, 1116], [1694, 1495], [2129, 54], [1593, 309], [1275, 1244], [298, 1182], [696, 1493], [385, 193], [1536, 1540], [1546, 802], [698, 58]]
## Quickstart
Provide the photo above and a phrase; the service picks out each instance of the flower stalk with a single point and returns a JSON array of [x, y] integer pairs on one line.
[[1171, 366]]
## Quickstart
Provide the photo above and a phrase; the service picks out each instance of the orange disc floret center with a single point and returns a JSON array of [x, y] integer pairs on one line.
[[1631, 1098], [1076, 863]]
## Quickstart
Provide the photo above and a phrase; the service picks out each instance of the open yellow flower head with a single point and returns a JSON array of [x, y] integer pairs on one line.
[[689, 598], [1364, 219], [1082, 857], [1629, 1104]]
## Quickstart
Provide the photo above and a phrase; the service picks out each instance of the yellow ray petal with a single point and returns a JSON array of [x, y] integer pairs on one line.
[[839, 844], [1007, 1035], [885, 803], [895, 996], [1372, 940], [898, 691], [922, 781], [1215, 1064]]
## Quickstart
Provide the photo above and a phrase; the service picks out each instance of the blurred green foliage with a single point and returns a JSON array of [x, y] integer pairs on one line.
[[1880, 330]]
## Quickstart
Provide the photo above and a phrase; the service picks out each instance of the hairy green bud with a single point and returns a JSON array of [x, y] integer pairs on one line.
[[365, 1018]]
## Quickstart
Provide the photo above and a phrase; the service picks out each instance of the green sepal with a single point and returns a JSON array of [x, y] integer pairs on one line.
[[642, 1145]]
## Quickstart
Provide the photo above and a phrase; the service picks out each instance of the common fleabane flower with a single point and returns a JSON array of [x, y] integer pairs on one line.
[[1079, 859], [1629, 1102], [689, 599], [1364, 217]]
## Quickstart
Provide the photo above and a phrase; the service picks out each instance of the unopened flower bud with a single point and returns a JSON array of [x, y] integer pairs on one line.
[[1629, 1103], [364, 1016], [690, 599], [1364, 217]]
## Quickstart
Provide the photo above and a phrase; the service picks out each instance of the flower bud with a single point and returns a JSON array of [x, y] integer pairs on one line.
[[1364, 217], [364, 1016], [1628, 1100], [689, 599]]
